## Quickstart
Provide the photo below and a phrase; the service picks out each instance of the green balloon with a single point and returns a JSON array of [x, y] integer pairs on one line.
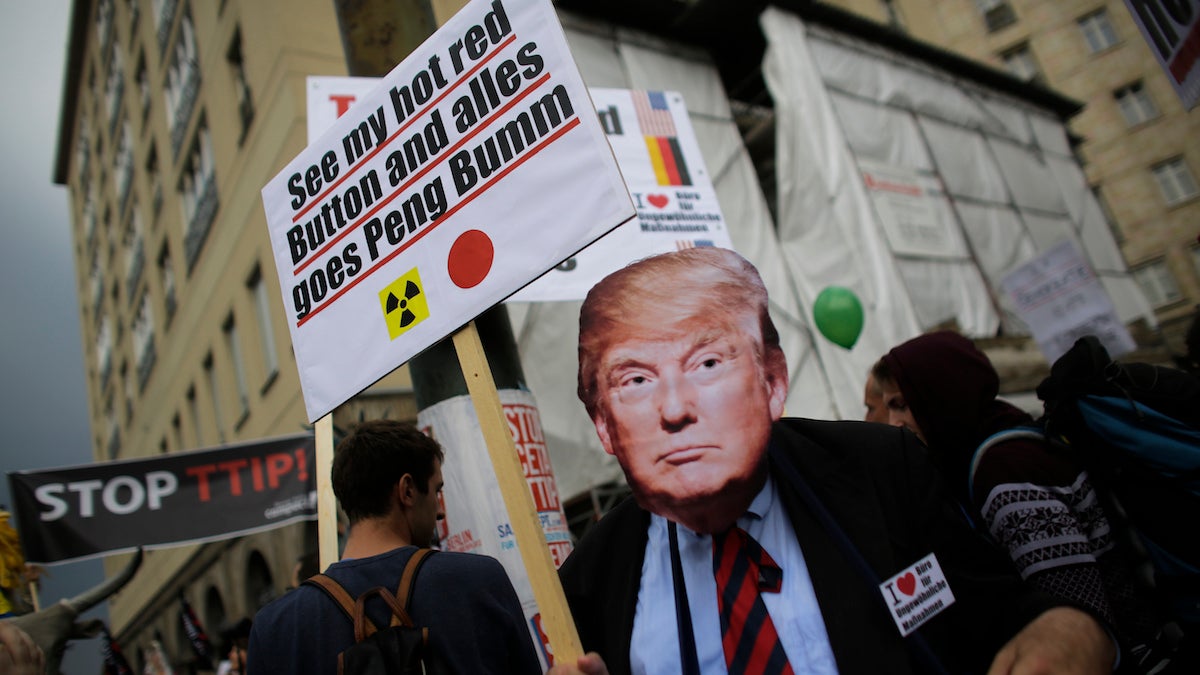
[[839, 315]]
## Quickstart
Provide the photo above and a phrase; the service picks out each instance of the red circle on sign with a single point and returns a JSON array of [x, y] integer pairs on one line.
[[470, 259]]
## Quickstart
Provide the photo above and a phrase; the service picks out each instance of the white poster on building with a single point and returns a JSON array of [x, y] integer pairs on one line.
[[476, 519], [655, 146], [909, 219], [1172, 29], [1058, 295], [468, 171]]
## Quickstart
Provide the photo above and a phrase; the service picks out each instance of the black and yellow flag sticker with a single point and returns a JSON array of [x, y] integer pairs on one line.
[[403, 303]]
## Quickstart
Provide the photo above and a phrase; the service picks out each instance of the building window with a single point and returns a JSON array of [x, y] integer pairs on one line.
[[142, 337], [123, 171], [1175, 181], [894, 19], [198, 194], [104, 347], [143, 84], [135, 251], [1135, 103], [1098, 31], [997, 14], [244, 99], [83, 153], [130, 387], [183, 82], [135, 13], [114, 87], [167, 276], [104, 21], [164, 16], [214, 390], [1157, 283], [177, 426], [233, 344], [96, 277], [154, 176], [266, 330], [1019, 61], [113, 431], [194, 411]]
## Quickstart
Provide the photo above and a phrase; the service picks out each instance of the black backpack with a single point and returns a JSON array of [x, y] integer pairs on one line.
[[1135, 427], [401, 648]]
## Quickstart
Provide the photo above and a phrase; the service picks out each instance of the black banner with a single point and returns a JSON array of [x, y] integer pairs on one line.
[[205, 495]]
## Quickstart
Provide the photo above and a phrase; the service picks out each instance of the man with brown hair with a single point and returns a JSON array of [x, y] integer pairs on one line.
[[682, 373]]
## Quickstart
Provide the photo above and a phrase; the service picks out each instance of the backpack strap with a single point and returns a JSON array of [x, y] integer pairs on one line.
[[364, 627], [342, 599], [404, 590], [1015, 433]]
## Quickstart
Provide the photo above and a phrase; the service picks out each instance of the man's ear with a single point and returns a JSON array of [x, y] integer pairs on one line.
[[777, 382], [602, 431], [406, 489]]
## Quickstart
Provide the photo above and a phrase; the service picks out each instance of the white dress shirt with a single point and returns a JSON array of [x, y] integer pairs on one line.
[[655, 644]]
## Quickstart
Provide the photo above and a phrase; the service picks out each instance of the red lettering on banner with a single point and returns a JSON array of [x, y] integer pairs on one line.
[[462, 542], [559, 552], [526, 430], [342, 101], [201, 475], [256, 473], [278, 464], [545, 493], [235, 479]]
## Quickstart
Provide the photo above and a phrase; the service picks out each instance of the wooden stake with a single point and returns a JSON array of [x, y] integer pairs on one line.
[[522, 514], [327, 541]]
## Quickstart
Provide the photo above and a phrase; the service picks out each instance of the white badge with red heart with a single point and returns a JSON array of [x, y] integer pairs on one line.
[[917, 594]]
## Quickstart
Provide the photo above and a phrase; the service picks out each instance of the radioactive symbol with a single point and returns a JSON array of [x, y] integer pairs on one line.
[[403, 303]]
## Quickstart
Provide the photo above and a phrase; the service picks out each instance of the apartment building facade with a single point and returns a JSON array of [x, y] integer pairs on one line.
[[174, 115], [1139, 146]]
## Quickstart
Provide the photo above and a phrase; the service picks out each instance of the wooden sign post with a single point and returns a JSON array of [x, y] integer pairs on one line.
[[556, 616]]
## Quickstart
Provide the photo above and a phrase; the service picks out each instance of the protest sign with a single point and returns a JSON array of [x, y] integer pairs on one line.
[[655, 146], [1058, 295], [185, 498], [473, 167]]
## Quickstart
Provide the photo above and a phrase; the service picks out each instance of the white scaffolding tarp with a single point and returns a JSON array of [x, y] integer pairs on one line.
[[998, 184]]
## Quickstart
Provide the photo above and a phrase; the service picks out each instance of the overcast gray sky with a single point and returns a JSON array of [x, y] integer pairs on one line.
[[43, 404]]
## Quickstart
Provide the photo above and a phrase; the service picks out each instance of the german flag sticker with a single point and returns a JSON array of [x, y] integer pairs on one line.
[[403, 303]]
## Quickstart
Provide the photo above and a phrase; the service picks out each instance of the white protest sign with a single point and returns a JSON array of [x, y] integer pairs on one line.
[[1172, 29], [473, 167], [1058, 295], [909, 220], [655, 146]]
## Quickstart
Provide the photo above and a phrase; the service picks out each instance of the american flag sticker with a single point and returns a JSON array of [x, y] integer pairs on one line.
[[662, 141]]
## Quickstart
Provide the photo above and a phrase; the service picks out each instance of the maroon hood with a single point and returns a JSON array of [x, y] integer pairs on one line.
[[950, 386]]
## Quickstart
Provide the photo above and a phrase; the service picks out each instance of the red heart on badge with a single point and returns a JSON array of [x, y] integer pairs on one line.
[[907, 583], [658, 201]]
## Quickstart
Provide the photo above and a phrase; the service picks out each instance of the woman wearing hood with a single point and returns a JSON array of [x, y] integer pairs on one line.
[[1035, 503]]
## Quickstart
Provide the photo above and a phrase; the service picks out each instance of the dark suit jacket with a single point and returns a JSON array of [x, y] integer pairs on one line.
[[876, 482]]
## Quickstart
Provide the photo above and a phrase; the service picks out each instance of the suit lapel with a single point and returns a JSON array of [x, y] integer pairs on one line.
[[869, 645]]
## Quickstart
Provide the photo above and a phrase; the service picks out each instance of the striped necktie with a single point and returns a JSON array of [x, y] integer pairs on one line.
[[742, 569]]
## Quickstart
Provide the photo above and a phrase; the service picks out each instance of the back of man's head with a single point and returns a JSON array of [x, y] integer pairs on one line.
[[662, 294], [369, 462]]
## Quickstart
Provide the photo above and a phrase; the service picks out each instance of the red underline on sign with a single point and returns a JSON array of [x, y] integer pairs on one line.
[[411, 120], [445, 216], [317, 253]]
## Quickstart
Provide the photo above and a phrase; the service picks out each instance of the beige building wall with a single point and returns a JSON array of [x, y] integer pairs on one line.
[[184, 354], [1158, 239]]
